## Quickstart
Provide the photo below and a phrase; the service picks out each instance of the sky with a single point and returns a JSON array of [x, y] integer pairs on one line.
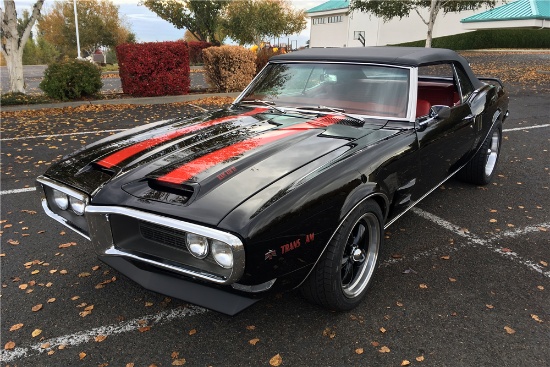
[[148, 27]]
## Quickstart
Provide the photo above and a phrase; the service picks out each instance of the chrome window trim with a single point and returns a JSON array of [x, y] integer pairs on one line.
[[409, 117], [97, 217]]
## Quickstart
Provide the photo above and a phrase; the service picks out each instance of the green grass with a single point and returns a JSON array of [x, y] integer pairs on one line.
[[109, 67], [11, 99], [516, 38]]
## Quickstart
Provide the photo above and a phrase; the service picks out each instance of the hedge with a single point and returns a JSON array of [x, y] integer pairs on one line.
[[154, 68], [490, 38], [71, 79], [195, 51], [229, 68]]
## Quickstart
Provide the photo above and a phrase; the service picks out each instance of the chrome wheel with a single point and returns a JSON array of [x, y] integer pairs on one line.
[[492, 153], [359, 258]]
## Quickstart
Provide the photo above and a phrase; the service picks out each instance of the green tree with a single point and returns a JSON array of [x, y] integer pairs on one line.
[[200, 17], [390, 9], [99, 25], [254, 21]]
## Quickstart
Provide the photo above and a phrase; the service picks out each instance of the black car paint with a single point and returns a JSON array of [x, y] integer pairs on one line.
[[298, 190]]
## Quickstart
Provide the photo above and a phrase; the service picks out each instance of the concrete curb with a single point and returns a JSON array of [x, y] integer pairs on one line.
[[132, 101]]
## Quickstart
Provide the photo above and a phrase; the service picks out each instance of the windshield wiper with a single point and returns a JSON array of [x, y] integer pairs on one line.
[[338, 111], [264, 102]]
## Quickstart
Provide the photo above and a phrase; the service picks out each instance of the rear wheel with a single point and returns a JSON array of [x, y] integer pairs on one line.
[[481, 168], [343, 274]]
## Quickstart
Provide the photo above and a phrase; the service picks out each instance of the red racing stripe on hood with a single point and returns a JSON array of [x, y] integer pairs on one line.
[[125, 153], [193, 168]]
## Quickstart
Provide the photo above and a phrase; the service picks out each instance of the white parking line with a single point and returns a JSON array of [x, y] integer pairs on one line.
[[473, 239], [89, 335], [525, 128], [68, 134], [17, 191]]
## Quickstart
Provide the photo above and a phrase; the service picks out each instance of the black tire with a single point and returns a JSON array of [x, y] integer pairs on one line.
[[342, 276], [481, 168]]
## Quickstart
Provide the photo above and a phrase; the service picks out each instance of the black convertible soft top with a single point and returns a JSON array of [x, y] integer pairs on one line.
[[405, 56]]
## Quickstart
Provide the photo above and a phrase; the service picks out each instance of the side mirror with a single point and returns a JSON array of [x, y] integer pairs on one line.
[[478, 102], [437, 112], [440, 112]]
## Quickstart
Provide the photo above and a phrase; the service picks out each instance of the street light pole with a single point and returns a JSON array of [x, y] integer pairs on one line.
[[77, 37]]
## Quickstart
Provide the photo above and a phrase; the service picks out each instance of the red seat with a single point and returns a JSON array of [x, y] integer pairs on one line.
[[422, 107]]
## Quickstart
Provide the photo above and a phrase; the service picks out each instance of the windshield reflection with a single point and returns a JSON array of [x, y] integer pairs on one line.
[[372, 90]]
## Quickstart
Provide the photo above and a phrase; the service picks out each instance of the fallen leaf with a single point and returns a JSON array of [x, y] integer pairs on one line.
[[174, 355], [452, 280], [94, 268], [13, 242], [50, 352], [16, 327], [506, 249], [35, 272], [36, 308], [63, 272], [420, 358], [148, 304], [490, 306], [23, 286], [359, 351], [540, 287], [276, 360], [144, 329], [492, 220], [36, 332], [68, 244], [384, 349], [405, 363], [399, 304], [445, 257], [51, 300], [382, 330], [192, 332], [129, 364], [396, 256], [84, 275], [61, 347], [543, 263], [82, 355], [375, 344], [84, 313], [75, 298], [423, 286], [536, 318], [100, 338], [251, 327], [509, 330], [45, 345], [254, 341], [9, 345], [89, 308], [178, 362]]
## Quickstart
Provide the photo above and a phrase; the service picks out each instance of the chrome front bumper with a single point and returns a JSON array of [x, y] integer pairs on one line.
[[100, 232]]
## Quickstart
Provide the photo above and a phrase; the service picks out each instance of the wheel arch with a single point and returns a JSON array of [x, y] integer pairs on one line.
[[378, 197]]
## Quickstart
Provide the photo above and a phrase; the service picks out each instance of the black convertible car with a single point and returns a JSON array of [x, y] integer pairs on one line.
[[290, 187]]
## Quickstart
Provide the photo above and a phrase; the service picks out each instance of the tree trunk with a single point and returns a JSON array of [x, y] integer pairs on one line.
[[13, 45], [435, 6]]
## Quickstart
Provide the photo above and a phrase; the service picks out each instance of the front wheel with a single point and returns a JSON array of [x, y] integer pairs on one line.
[[342, 276], [481, 168]]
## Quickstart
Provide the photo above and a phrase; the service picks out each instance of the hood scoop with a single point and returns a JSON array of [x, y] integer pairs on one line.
[[152, 190]]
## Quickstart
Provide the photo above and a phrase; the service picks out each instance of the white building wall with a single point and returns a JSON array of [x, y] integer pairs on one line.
[[380, 33], [329, 34]]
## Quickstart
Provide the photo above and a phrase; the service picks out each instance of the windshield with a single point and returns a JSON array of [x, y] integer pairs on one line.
[[372, 90]]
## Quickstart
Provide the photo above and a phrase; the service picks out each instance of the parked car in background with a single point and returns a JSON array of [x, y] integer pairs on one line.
[[290, 187]]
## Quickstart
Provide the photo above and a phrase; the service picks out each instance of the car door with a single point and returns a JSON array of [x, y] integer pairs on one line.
[[444, 141]]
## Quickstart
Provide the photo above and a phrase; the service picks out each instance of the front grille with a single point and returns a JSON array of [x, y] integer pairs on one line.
[[165, 235]]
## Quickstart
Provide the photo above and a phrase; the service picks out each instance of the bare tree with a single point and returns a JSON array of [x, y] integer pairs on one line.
[[13, 41]]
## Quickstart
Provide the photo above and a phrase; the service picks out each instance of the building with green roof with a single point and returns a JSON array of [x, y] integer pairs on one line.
[[518, 14]]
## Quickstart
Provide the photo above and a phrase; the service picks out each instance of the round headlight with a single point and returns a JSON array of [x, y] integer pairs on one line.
[[197, 245], [77, 205], [223, 254], [60, 199]]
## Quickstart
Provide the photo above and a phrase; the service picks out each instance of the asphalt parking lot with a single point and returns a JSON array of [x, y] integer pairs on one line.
[[464, 278]]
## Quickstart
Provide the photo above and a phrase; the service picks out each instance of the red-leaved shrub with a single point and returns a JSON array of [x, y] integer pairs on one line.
[[195, 51], [154, 68]]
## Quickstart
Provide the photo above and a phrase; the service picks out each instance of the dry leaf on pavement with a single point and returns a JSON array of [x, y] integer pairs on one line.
[[254, 341], [509, 330], [276, 360], [9, 345], [384, 349], [16, 327]]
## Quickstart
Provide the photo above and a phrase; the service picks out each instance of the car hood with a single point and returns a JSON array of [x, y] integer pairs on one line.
[[200, 169]]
